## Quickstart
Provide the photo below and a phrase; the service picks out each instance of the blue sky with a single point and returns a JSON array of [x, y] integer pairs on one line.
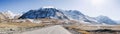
[[93, 8]]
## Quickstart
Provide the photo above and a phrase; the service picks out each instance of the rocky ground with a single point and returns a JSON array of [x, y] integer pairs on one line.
[[17, 26]]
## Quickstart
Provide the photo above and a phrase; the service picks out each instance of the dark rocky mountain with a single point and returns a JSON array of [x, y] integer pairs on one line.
[[44, 13], [65, 14]]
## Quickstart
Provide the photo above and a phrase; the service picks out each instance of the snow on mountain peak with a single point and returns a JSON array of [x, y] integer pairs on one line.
[[48, 7], [8, 14], [44, 13], [49, 12], [105, 19]]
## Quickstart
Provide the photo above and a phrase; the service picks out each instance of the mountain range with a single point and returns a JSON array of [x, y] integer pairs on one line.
[[54, 13], [9, 15]]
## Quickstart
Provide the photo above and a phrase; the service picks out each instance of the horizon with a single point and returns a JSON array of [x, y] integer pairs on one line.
[[92, 8]]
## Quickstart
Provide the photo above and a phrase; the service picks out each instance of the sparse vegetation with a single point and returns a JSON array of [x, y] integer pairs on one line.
[[14, 26]]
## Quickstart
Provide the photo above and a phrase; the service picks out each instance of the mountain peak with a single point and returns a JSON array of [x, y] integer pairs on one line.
[[48, 7], [101, 16], [8, 14], [105, 19], [54, 13], [44, 13]]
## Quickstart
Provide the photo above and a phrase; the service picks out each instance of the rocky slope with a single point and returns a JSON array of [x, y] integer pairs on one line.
[[105, 20], [77, 15], [7, 15], [44, 13], [65, 14]]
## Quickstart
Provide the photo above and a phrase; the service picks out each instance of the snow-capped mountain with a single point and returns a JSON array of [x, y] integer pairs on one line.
[[77, 15], [65, 14], [118, 21], [57, 14], [74, 14], [7, 14], [105, 20], [44, 13]]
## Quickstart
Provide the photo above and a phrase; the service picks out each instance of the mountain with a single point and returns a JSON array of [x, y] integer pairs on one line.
[[118, 21], [105, 19], [44, 13], [74, 14], [58, 14], [7, 15], [54, 13], [77, 15]]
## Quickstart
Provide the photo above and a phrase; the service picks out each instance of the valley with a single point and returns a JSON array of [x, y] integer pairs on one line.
[[55, 21], [17, 27]]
